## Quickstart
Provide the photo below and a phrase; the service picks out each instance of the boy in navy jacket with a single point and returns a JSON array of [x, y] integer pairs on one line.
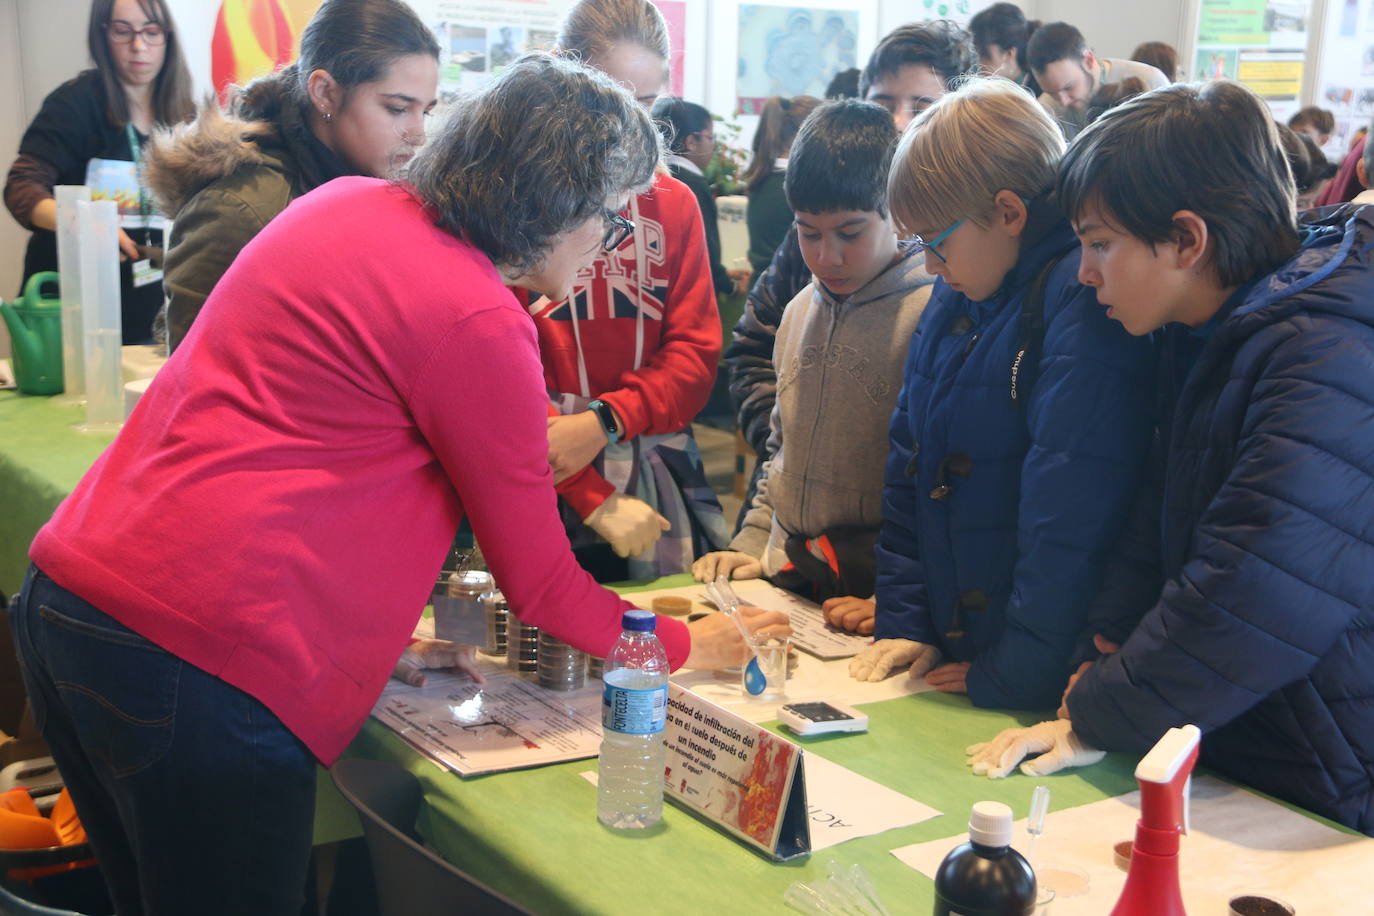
[[1248, 606]]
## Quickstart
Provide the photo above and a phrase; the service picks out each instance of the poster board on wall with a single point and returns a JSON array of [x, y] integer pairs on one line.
[[1261, 43], [1346, 77], [234, 41]]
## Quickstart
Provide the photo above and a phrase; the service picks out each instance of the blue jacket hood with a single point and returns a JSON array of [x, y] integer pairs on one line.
[[1323, 277]]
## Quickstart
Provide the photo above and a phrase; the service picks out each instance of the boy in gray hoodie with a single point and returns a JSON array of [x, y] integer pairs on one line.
[[839, 355]]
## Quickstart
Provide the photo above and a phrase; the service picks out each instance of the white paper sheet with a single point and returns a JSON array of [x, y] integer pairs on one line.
[[506, 724], [812, 679], [810, 631], [844, 805], [439, 719], [1240, 844]]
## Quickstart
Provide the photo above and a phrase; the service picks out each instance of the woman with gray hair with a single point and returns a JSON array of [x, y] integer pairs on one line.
[[343, 408]]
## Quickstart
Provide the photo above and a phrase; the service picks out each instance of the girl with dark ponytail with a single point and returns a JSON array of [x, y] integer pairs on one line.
[[353, 103], [1000, 34]]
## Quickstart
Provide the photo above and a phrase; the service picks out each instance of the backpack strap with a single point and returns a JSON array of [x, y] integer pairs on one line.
[[1032, 332]]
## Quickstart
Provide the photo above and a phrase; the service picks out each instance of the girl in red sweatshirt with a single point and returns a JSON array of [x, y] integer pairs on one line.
[[630, 357]]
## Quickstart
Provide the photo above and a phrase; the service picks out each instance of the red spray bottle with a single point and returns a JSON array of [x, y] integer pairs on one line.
[[1152, 883]]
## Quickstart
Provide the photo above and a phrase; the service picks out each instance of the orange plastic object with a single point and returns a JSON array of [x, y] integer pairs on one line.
[[23, 827], [63, 817]]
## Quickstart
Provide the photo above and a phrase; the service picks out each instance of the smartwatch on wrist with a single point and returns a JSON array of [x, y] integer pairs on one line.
[[609, 424]]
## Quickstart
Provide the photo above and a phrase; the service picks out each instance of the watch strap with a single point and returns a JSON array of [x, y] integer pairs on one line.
[[606, 417]]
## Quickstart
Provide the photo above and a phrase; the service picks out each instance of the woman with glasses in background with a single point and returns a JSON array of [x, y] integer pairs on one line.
[[1021, 433], [630, 356], [91, 130]]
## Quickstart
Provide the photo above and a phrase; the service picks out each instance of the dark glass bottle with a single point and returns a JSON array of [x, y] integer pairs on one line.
[[985, 876]]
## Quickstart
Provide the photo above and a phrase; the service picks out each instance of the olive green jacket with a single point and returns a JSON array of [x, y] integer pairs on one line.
[[221, 180]]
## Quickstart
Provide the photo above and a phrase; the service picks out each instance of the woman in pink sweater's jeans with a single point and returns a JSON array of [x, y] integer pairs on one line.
[[219, 602]]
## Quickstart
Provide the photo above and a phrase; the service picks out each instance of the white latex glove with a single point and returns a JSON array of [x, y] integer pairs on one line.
[[629, 525], [732, 564], [435, 653], [887, 655], [1054, 741]]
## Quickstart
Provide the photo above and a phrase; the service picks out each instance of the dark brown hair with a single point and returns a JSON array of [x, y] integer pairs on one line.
[[1323, 120], [938, 44], [778, 125], [841, 158], [1004, 25], [1212, 149], [172, 87], [354, 41], [1159, 55], [1110, 95]]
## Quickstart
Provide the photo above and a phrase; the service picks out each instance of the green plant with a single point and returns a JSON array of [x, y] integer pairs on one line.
[[725, 170]]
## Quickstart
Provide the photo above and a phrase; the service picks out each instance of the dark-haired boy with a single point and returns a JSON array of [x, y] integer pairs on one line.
[[1248, 610], [839, 356], [911, 67], [1315, 122]]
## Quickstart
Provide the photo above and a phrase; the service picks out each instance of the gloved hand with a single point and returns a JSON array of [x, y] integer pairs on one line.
[[887, 655], [1054, 741], [435, 653], [732, 564], [629, 525]]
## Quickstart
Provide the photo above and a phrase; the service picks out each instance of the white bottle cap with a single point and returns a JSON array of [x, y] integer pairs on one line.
[[989, 824]]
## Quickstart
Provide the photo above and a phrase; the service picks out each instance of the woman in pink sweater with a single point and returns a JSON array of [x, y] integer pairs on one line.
[[219, 602]]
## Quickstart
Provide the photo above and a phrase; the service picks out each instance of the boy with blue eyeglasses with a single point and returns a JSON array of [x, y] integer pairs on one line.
[[1021, 432]]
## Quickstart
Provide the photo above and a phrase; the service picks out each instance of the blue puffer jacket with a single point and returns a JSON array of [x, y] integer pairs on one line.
[[1263, 634], [997, 514]]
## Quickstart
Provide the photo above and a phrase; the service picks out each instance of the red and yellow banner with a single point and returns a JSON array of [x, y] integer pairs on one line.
[[255, 37]]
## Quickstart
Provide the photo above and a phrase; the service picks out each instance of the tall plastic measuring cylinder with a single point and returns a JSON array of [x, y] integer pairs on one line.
[[102, 334], [69, 267]]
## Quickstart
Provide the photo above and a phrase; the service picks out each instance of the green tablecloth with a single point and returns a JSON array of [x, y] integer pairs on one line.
[[533, 834], [41, 459]]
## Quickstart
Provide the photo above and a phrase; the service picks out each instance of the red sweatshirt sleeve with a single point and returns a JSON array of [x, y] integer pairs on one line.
[[675, 381], [586, 490]]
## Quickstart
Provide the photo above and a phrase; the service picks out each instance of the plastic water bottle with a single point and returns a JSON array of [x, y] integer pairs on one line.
[[985, 876], [634, 704]]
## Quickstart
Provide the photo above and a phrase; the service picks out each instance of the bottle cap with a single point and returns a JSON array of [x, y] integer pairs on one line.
[[639, 621], [989, 824]]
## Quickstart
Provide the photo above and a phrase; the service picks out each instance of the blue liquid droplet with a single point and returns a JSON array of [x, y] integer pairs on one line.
[[754, 681]]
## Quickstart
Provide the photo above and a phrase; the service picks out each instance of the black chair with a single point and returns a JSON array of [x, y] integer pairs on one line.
[[51, 895], [13, 905], [411, 880]]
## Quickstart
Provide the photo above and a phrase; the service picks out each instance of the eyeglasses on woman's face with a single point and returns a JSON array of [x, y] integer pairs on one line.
[[618, 229], [123, 33]]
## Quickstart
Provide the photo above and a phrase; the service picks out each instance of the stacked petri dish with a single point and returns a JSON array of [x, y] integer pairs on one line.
[[522, 646], [560, 666], [497, 613]]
